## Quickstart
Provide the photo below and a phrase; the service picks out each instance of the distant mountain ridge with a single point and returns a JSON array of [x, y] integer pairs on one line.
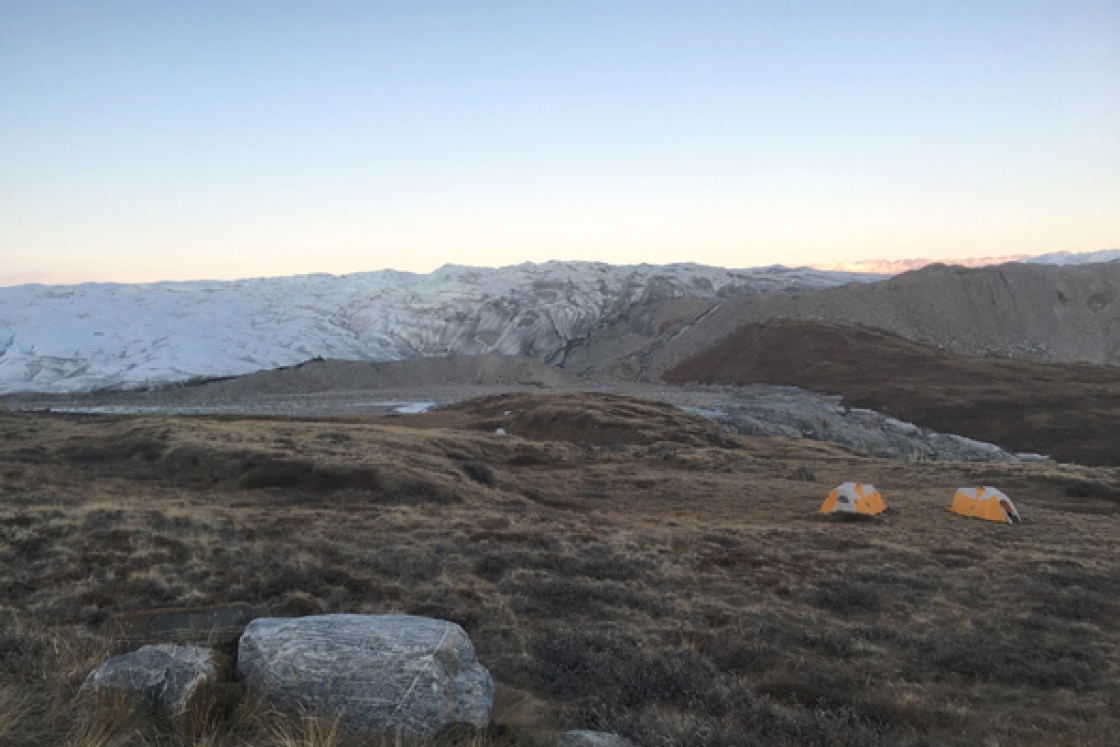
[[103, 335], [1036, 312], [91, 336], [1080, 258], [898, 266]]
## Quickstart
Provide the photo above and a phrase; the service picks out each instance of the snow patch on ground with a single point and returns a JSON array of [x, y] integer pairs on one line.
[[414, 408]]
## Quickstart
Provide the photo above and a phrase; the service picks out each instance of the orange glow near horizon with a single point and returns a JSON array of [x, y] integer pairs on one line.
[[148, 141]]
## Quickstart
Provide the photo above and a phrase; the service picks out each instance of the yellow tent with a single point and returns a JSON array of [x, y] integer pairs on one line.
[[985, 503], [855, 498]]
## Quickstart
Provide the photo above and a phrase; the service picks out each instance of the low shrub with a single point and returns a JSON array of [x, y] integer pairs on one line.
[[479, 471], [986, 656], [845, 597]]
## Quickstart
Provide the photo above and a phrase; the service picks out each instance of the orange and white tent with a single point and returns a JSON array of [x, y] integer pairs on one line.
[[854, 498], [985, 503]]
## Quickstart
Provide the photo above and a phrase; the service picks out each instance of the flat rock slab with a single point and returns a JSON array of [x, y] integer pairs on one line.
[[393, 674], [217, 626], [585, 738], [178, 684]]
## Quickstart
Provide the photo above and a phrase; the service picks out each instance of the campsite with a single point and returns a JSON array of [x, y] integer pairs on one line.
[[860, 500], [559, 374], [669, 582]]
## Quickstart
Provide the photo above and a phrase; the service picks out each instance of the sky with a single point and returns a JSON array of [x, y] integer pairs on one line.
[[144, 140]]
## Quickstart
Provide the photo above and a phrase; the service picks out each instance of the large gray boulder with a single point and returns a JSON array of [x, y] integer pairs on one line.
[[394, 674], [585, 738], [179, 684]]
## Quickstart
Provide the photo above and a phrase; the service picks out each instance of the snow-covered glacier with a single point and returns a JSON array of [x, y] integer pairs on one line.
[[98, 335]]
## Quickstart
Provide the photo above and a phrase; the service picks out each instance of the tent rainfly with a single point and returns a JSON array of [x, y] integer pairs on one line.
[[854, 498], [985, 503]]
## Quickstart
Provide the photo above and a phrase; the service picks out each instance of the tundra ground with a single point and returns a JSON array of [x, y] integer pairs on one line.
[[648, 574]]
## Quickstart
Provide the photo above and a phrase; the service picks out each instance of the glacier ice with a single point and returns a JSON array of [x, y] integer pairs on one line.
[[102, 335]]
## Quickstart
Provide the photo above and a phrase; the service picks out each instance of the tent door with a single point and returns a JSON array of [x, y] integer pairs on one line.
[[1009, 512]]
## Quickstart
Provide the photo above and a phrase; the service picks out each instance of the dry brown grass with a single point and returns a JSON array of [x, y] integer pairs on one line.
[[678, 594]]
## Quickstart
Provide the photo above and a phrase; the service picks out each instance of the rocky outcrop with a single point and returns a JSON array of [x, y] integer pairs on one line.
[[788, 412], [393, 674], [177, 684], [585, 738]]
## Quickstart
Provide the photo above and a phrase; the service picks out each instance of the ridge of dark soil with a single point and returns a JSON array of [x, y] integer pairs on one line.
[[1068, 411]]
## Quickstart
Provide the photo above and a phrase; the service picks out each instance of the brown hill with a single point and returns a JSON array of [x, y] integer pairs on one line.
[[1035, 312], [599, 419], [1069, 411]]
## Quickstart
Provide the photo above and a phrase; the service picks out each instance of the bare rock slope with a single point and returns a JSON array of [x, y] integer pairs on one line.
[[1035, 312]]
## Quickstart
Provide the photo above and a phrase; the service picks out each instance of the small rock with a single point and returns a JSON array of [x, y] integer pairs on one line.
[[396, 674], [179, 684], [585, 738]]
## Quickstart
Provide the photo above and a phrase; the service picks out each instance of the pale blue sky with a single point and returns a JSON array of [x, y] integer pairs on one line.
[[150, 139]]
